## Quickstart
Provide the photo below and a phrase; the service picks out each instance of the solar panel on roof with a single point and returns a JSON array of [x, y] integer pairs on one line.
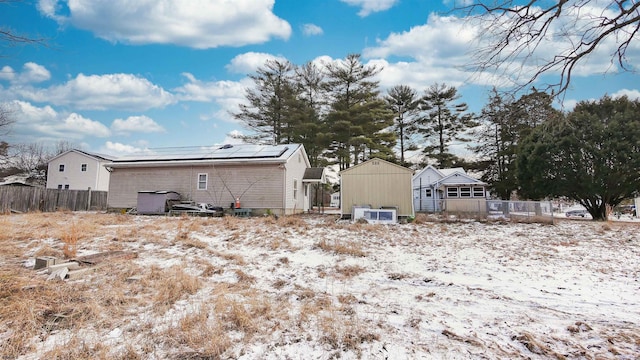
[[243, 151]]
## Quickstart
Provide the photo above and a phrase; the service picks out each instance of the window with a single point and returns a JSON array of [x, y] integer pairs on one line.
[[66, 187], [60, 187], [478, 192], [465, 192], [295, 189], [428, 193], [202, 181], [83, 167], [452, 192], [61, 168]]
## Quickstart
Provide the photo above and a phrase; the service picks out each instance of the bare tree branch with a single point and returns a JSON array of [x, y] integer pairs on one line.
[[12, 38], [514, 37]]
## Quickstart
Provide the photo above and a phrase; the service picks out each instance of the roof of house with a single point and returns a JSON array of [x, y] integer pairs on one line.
[[97, 156], [449, 173], [240, 153], [314, 175]]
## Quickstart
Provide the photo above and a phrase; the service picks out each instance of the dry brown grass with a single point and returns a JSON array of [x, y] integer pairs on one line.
[[349, 271], [170, 285], [70, 238], [198, 336], [341, 247]]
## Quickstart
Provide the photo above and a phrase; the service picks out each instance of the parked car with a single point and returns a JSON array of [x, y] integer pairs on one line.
[[577, 212]]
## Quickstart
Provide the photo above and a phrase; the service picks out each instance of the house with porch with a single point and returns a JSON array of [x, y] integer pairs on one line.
[[452, 189], [263, 178]]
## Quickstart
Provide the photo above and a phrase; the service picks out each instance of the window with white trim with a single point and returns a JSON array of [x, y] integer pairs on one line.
[[202, 181], [465, 192], [61, 167], [452, 192], [83, 167], [66, 187], [295, 189], [428, 193], [59, 186], [478, 191]]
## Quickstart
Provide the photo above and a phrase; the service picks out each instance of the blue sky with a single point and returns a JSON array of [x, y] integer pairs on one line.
[[120, 76]]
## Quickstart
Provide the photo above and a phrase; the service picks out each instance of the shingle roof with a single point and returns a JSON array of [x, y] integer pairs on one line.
[[313, 175]]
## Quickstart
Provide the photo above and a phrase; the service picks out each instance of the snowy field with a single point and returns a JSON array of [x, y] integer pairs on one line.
[[313, 288]]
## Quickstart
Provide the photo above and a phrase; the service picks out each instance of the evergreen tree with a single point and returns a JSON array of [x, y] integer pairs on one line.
[[504, 123], [593, 157], [403, 101], [312, 130], [357, 118], [273, 109], [444, 120]]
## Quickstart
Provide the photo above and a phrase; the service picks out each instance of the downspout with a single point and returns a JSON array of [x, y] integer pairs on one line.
[[284, 190], [95, 186]]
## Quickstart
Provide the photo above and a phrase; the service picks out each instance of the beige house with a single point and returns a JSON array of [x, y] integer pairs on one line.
[[376, 183], [78, 170], [263, 178]]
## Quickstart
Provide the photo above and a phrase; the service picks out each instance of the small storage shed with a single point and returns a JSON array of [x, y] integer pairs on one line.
[[155, 202], [378, 184]]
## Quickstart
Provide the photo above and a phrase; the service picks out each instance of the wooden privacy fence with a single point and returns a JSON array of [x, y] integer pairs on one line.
[[25, 199]]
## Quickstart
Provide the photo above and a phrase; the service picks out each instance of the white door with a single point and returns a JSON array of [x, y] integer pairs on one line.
[[306, 198]]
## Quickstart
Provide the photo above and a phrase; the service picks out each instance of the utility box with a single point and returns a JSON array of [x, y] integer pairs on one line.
[[155, 202]]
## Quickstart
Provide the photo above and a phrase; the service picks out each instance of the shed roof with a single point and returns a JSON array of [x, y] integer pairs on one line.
[[314, 175], [368, 162]]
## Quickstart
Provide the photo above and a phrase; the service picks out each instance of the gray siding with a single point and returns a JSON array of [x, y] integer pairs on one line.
[[257, 186]]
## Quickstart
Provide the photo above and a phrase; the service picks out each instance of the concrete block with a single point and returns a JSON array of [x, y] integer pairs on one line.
[[44, 261], [79, 273], [69, 265], [59, 273]]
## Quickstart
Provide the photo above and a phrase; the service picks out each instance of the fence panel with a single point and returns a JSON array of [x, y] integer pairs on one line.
[[25, 199]]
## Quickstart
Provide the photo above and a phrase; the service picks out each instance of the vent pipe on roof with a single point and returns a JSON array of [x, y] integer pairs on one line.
[[226, 146]]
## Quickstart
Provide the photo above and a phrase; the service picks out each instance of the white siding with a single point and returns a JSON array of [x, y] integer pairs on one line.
[[95, 177], [295, 167]]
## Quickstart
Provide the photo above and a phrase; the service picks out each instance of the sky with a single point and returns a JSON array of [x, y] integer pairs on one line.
[[124, 76]]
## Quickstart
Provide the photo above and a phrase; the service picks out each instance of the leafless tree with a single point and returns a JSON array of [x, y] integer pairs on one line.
[[6, 119], [10, 37], [514, 33]]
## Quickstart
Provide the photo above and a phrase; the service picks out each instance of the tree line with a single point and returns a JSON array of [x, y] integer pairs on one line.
[[523, 146], [339, 114]]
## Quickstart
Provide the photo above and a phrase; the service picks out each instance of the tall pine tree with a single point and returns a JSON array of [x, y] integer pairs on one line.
[[358, 118], [443, 121]]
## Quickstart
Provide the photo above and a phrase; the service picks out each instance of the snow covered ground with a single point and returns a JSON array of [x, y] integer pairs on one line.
[[313, 288]]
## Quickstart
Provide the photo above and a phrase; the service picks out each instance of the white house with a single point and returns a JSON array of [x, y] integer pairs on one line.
[[263, 178], [78, 170], [335, 199], [433, 187]]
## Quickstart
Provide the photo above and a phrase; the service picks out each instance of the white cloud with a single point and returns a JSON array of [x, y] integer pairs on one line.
[[632, 94], [311, 29], [142, 124], [370, 6], [249, 62], [7, 73], [119, 149], [45, 122], [102, 92], [198, 24], [203, 91], [32, 73]]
